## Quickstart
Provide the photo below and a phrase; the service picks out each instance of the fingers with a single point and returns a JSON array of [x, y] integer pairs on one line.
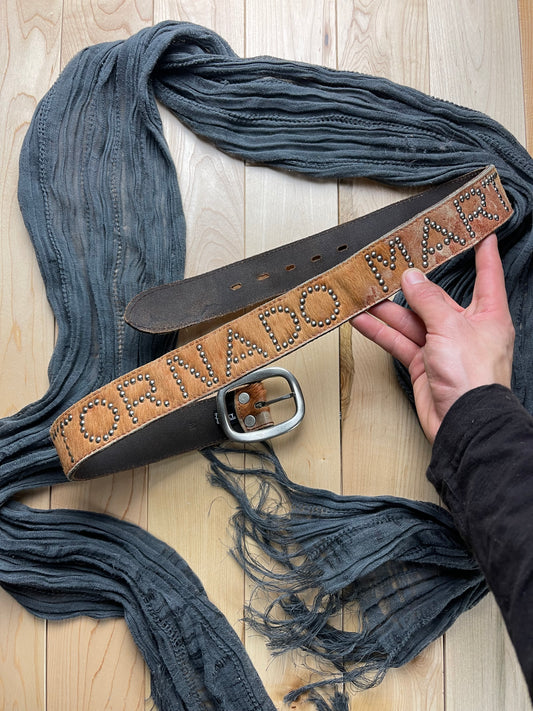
[[391, 340], [429, 301], [489, 289], [402, 332], [401, 319], [398, 330]]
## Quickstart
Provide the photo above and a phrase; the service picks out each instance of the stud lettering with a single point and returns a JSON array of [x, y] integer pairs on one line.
[[239, 347], [282, 326], [108, 416], [183, 372], [471, 205], [315, 294]]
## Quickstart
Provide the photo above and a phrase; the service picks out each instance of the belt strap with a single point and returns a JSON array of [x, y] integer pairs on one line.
[[166, 407], [254, 280]]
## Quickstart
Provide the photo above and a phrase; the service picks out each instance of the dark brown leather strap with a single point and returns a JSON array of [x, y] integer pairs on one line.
[[180, 431], [264, 276], [158, 409]]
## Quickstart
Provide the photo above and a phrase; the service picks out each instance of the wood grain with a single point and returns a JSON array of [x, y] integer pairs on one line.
[[383, 449], [477, 63], [280, 209], [185, 510], [29, 56], [86, 23], [475, 58], [384, 38], [526, 51], [468, 53], [96, 664], [26, 325]]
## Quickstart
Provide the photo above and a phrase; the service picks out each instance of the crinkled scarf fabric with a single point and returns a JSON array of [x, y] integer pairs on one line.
[[100, 198]]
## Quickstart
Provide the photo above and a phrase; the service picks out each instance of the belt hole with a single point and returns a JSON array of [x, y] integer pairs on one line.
[[342, 247], [236, 286], [290, 267], [316, 258], [262, 277]]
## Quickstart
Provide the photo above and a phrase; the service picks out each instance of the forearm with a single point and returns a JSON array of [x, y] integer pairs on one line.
[[482, 466]]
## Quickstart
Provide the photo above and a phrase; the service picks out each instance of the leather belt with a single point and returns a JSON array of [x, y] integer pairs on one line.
[[303, 290]]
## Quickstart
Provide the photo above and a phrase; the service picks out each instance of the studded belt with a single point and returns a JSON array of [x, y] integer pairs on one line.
[[213, 387]]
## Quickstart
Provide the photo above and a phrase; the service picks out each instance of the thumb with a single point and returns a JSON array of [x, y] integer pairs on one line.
[[427, 300]]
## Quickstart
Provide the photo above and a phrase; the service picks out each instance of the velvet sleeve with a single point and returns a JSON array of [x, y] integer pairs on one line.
[[482, 467]]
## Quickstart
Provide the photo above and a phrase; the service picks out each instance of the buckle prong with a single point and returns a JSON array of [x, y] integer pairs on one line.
[[266, 403], [266, 432]]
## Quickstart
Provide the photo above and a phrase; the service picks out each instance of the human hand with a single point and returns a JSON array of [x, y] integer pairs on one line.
[[447, 349]]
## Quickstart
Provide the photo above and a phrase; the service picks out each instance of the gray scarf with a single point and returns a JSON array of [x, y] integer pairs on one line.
[[99, 195]]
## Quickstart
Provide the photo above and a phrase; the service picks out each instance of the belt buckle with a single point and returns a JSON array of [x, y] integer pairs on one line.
[[270, 431]]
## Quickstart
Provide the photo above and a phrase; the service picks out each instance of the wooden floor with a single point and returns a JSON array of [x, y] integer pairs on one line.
[[477, 53]]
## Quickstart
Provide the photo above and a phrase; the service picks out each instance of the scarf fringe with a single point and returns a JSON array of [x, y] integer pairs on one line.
[[393, 568]]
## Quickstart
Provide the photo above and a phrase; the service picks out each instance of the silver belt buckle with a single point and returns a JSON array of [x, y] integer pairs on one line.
[[294, 393]]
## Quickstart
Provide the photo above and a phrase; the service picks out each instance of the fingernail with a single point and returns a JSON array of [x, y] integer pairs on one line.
[[413, 276]]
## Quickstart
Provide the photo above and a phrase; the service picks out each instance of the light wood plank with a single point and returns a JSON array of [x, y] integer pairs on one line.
[[281, 209], [225, 17], [526, 47], [29, 61], [482, 672], [383, 450], [105, 669], [475, 62], [475, 58], [387, 39], [102, 668], [185, 510], [464, 52], [87, 23], [384, 38], [22, 658]]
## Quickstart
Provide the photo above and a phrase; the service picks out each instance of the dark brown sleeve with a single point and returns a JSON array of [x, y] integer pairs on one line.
[[482, 467]]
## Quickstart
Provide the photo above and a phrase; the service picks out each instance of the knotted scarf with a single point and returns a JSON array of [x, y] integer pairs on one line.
[[100, 199]]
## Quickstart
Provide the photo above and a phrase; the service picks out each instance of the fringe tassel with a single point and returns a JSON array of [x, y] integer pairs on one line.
[[394, 567]]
